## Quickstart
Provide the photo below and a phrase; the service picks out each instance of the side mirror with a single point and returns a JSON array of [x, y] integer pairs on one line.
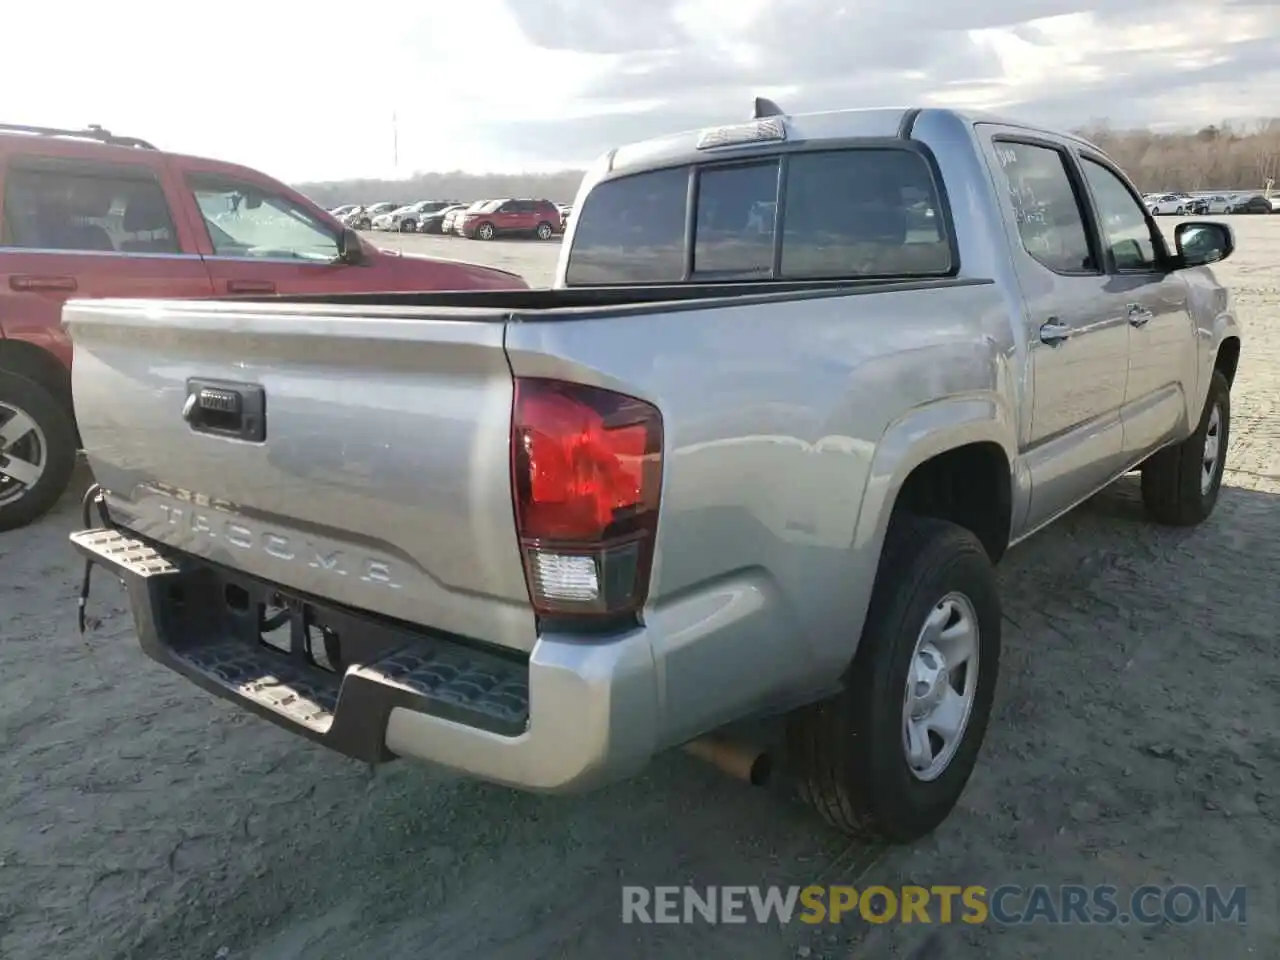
[[350, 249], [1200, 243]]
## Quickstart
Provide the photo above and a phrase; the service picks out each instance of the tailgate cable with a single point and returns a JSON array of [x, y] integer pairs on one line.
[[92, 497]]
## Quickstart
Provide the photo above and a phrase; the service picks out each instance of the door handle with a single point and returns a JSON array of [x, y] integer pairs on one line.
[[1139, 315], [29, 283], [1054, 332], [250, 286]]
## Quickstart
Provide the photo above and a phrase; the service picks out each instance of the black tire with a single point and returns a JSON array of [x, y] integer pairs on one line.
[[545, 231], [54, 421], [485, 231], [1171, 478], [848, 752], [408, 226]]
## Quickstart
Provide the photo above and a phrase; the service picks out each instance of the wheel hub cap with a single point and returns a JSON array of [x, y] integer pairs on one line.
[[942, 680], [1212, 449], [23, 453]]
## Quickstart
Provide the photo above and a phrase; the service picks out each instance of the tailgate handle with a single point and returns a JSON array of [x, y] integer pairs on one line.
[[25, 283], [226, 409]]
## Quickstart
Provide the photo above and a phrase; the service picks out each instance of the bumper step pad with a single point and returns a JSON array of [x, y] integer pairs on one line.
[[182, 621]]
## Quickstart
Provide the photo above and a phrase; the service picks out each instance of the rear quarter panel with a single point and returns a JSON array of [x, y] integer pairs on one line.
[[788, 428]]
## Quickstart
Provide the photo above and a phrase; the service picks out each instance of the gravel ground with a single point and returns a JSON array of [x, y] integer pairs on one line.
[[1133, 742]]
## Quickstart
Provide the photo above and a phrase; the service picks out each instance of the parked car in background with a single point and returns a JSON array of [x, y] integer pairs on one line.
[[409, 219], [1256, 203], [453, 221], [1168, 203], [383, 221], [507, 218], [405, 218], [1217, 203], [89, 214], [362, 219], [435, 222], [343, 210]]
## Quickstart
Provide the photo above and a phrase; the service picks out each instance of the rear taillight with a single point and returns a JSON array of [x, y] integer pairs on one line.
[[586, 470]]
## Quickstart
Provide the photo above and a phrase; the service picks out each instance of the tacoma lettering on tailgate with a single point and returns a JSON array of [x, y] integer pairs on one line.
[[293, 548]]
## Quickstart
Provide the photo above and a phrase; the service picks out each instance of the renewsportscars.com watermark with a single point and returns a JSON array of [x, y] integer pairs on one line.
[[1007, 904]]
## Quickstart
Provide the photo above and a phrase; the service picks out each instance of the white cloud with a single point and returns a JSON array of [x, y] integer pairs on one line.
[[299, 90], [308, 91]]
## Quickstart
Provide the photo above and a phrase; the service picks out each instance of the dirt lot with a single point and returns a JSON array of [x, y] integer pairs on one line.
[[1134, 742]]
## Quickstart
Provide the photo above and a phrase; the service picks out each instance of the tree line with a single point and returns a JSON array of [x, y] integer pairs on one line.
[[1223, 156], [1218, 157]]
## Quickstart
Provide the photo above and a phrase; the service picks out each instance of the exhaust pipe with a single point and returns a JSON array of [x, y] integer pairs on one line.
[[746, 763]]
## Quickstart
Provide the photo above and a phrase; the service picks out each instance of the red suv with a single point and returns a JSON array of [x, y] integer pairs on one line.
[[89, 214], [530, 218]]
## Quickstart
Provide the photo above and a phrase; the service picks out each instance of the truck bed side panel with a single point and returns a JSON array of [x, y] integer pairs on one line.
[[383, 481], [772, 415]]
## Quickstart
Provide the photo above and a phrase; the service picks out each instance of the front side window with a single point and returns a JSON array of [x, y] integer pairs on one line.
[[82, 209], [246, 221], [1124, 221]]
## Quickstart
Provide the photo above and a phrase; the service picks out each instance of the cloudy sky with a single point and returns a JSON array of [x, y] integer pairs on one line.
[[309, 90]]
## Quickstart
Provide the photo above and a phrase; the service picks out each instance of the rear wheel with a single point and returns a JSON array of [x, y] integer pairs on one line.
[[485, 231], [545, 231], [37, 450], [889, 756], [407, 226]]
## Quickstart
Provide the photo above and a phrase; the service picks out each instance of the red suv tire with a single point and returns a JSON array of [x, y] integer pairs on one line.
[[37, 450]]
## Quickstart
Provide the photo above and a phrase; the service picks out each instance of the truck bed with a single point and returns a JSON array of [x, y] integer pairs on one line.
[[383, 480], [625, 297]]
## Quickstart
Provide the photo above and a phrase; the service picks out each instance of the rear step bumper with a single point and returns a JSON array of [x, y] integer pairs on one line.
[[572, 716]]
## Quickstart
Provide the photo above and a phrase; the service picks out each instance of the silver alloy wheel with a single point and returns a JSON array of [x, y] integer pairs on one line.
[[486, 231], [24, 453], [1212, 449], [544, 231], [935, 712]]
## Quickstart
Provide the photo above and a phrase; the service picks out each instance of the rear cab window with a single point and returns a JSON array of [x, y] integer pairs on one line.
[[858, 213]]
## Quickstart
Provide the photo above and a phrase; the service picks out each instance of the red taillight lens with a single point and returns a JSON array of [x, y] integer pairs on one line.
[[586, 469]]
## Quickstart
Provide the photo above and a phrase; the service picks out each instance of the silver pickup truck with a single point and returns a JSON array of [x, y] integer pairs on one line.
[[800, 384]]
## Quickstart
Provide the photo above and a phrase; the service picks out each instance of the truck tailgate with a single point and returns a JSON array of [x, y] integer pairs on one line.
[[382, 481]]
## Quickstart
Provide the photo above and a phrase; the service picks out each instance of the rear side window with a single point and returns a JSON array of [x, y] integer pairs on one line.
[[854, 213], [1051, 222], [108, 210]]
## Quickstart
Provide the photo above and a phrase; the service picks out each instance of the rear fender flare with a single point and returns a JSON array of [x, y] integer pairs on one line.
[[921, 434]]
